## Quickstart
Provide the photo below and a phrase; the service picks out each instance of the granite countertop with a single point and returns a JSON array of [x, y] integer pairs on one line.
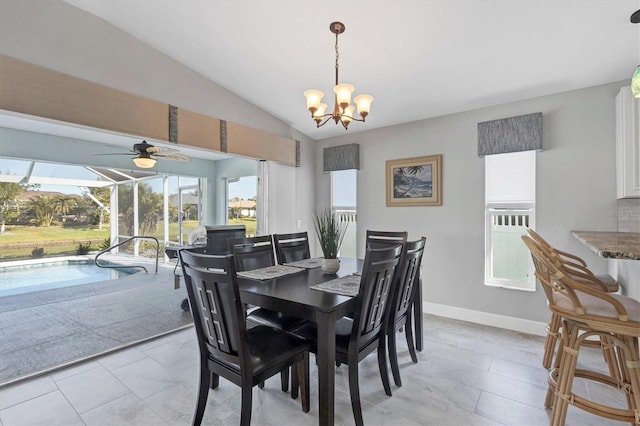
[[613, 245]]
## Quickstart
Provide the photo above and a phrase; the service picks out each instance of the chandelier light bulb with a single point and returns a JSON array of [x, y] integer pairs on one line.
[[314, 97], [363, 102], [319, 112], [343, 94]]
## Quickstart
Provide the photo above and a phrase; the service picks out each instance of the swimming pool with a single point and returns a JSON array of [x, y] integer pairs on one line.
[[20, 279]]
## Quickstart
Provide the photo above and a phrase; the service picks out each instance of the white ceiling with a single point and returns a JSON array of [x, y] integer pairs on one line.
[[418, 58]]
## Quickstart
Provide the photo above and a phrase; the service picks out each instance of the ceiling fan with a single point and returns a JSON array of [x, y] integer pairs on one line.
[[147, 154]]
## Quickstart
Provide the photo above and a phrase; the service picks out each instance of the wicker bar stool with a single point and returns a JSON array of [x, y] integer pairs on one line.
[[577, 268], [585, 313]]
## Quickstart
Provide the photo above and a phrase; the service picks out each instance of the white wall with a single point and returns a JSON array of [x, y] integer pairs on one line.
[[575, 191]]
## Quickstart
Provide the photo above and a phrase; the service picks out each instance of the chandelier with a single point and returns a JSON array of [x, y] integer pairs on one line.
[[342, 109], [635, 80]]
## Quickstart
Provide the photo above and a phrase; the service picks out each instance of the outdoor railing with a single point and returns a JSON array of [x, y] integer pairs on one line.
[[135, 237]]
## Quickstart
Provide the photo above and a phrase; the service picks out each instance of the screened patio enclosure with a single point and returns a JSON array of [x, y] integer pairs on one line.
[[133, 202]]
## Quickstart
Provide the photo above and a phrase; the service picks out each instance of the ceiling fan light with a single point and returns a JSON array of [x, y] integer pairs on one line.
[[343, 94], [144, 162], [363, 102], [635, 83]]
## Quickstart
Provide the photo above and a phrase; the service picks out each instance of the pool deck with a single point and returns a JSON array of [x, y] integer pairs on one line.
[[45, 330]]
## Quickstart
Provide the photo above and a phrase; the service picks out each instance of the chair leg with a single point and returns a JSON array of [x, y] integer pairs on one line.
[[354, 391], [284, 380], [302, 372], [203, 393], [245, 409], [382, 365], [393, 356], [214, 381], [295, 384], [409, 335]]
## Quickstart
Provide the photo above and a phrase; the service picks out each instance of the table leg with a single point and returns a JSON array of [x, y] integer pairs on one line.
[[417, 314], [326, 323]]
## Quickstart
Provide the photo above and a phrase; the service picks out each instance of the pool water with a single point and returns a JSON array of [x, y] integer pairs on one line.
[[44, 276]]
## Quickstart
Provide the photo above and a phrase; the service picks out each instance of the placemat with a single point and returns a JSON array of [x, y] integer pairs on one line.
[[347, 286], [269, 272], [314, 262]]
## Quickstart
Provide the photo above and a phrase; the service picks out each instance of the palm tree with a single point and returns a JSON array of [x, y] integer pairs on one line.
[[44, 209], [63, 204], [401, 176]]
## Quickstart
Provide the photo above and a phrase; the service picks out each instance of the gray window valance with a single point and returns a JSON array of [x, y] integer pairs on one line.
[[342, 157], [513, 134]]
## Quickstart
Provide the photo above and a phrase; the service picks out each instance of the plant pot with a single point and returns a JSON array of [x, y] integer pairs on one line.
[[330, 266]]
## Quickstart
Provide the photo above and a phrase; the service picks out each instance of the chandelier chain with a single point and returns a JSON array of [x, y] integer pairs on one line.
[[337, 56]]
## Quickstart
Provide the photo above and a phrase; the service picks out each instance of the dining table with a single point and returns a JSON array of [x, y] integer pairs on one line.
[[292, 295]]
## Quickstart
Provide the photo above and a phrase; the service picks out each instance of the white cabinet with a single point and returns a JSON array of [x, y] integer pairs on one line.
[[627, 144]]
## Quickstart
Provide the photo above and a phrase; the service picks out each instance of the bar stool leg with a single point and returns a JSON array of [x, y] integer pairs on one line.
[[553, 330], [567, 371]]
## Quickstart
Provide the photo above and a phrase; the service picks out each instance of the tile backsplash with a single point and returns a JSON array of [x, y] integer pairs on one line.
[[629, 215]]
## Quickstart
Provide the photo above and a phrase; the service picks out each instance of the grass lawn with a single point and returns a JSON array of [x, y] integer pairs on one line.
[[17, 242]]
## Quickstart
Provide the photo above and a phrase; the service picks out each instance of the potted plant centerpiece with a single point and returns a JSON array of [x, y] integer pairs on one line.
[[330, 231]]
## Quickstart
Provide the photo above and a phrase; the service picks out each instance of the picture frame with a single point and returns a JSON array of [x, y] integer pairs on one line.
[[415, 181]]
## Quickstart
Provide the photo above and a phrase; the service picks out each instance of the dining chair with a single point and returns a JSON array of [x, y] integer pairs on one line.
[[253, 253], [244, 356], [587, 312], [291, 247], [408, 275], [379, 239], [359, 336], [578, 270]]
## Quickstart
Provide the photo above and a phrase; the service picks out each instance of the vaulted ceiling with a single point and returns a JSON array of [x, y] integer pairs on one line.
[[418, 58]]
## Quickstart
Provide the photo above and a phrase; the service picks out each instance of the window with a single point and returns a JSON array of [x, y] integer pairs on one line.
[[343, 202], [509, 211], [241, 202]]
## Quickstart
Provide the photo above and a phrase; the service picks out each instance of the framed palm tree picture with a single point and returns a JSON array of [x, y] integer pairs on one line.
[[415, 181]]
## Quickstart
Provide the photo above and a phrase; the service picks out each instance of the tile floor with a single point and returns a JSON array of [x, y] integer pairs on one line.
[[468, 374]]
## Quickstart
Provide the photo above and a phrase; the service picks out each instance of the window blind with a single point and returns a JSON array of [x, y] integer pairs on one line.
[[341, 157], [513, 134]]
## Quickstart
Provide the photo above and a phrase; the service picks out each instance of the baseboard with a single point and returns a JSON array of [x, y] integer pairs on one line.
[[494, 320]]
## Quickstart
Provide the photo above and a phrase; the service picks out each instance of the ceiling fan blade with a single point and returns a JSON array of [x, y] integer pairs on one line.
[[160, 149], [176, 156]]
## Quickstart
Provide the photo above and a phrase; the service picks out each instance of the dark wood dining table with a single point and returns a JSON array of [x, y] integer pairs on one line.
[[292, 295]]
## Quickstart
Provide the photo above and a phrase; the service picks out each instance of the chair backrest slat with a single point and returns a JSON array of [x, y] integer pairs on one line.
[[376, 286], [252, 252], [382, 239], [408, 277], [216, 307], [291, 247]]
